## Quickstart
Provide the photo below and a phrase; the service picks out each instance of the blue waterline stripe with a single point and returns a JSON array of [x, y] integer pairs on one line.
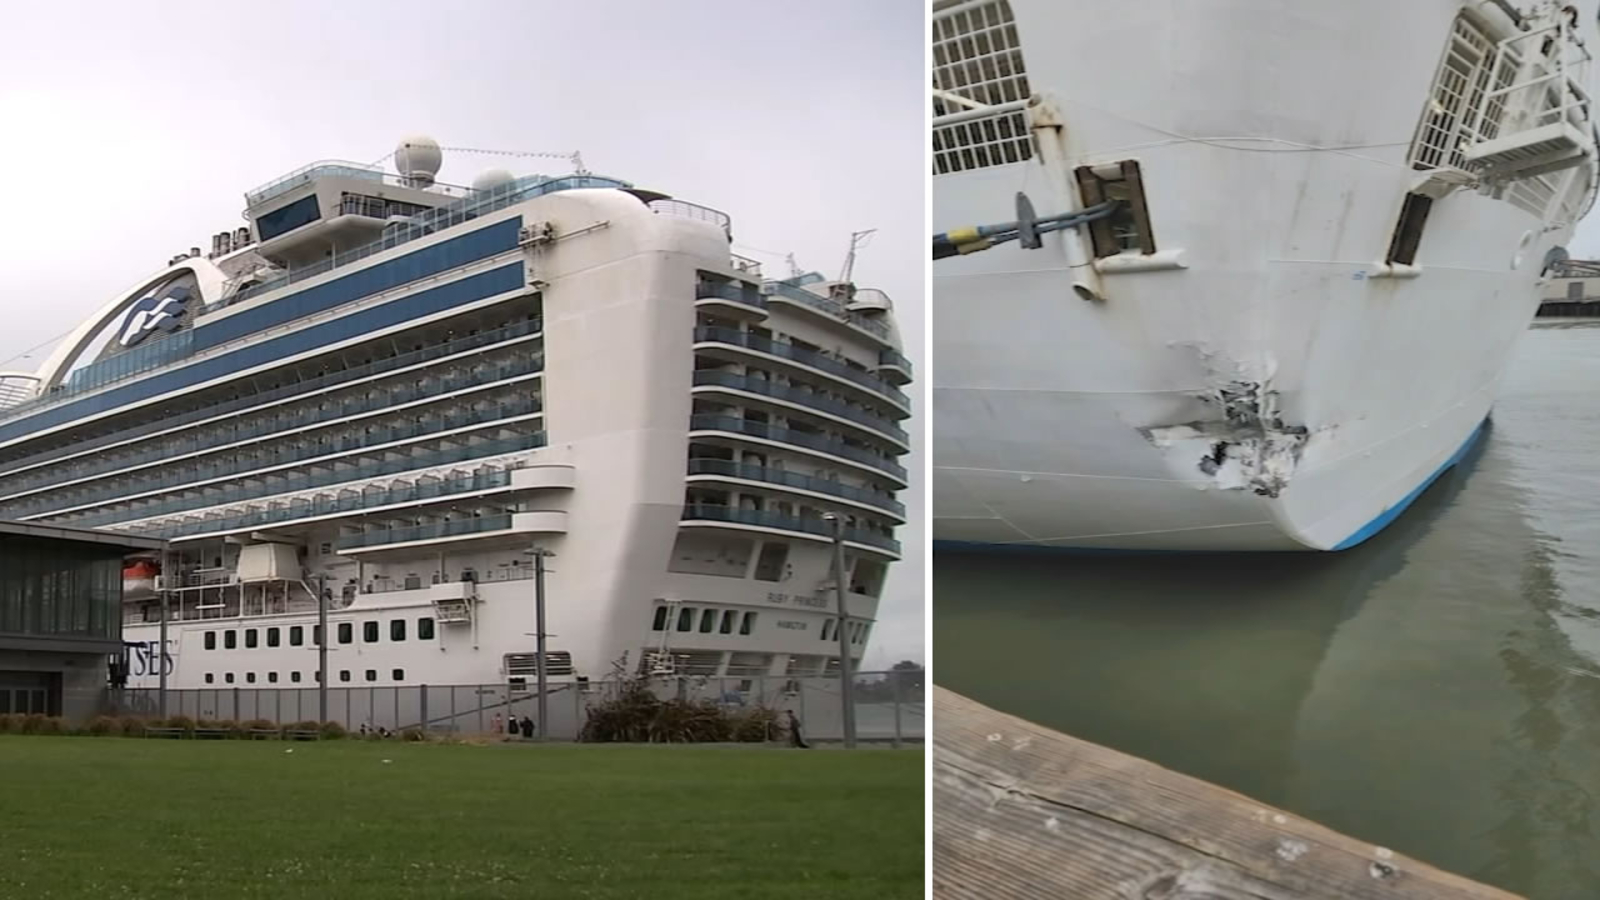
[[1389, 515], [1361, 534]]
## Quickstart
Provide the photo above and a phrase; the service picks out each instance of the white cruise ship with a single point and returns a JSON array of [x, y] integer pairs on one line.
[[1312, 235], [395, 392]]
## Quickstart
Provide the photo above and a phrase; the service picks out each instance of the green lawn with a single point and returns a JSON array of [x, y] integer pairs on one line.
[[117, 817]]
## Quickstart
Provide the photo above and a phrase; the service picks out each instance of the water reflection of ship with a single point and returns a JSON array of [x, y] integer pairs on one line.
[[1502, 746], [1198, 662]]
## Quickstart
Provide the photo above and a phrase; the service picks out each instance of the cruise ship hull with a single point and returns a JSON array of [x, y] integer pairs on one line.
[[1264, 377]]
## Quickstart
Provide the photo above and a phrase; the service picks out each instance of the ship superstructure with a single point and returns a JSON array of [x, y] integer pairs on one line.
[[390, 393]]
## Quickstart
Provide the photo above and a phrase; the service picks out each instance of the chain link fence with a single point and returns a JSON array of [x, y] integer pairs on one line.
[[889, 706]]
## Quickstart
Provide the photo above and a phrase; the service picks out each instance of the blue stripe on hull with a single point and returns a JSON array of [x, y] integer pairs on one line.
[[1361, 535], [1389, 515]]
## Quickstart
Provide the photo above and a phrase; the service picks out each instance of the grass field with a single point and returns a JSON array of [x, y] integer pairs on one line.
[[116, 817]]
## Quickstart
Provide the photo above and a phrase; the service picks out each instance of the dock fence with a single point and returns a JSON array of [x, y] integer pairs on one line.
[[889, 706]]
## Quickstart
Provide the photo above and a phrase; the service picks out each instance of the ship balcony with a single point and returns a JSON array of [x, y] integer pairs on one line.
[[740, 347], [1536, 151], [834, 314], [760, 433], [893, 367], [737, 388], [764, 522], [455, 349], [453, 531], [733, 300], [414, 489], [728, 472]]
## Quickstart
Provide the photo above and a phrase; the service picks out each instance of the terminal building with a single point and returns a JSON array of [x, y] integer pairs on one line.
[[61, 616]]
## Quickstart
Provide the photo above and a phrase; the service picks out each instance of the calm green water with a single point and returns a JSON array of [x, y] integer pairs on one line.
[[1435, 691]]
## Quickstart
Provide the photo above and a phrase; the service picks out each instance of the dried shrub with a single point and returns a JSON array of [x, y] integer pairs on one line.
[[757, 725], [332, 731], [634, 714], [102, 726], [131, 726]]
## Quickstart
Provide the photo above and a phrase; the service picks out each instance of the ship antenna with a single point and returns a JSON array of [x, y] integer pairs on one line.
[[858, 240]]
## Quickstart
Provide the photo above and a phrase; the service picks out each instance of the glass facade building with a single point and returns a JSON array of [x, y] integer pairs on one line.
[[60, 589], [60, 616]]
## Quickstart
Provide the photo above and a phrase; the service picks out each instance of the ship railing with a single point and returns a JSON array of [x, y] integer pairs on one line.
[[1533, 81], [355, 373], [393, 586], [810, 399], [746, 265], [683, 209], [471, 206], [322, 168], [831, 446], [805, 357], [890, 706], [425, 532], [730, 469], [766, 519], [304, 508], [192, 477], [832, 307]]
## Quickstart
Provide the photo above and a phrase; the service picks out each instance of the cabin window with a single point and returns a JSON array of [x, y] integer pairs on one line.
[[372, 674], [747, 623], [685, 618], [211, 678], [397, 630], [230, 640], [272, 677], [659, 623], [211, 640], [1408, 231], [1127, 229], [273, 635], [708, 621], [347, 632], [294, 677], [297, 635], [369, 632], [399, 674], [424, 629]]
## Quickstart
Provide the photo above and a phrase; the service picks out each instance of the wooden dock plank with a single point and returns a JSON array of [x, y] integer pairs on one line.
[[1020, 811]]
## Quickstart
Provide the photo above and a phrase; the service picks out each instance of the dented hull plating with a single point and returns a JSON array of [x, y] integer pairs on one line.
[[1271, 385]]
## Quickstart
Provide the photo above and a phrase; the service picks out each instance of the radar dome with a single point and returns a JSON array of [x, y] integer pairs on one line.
[[418, 158], [491, 179]]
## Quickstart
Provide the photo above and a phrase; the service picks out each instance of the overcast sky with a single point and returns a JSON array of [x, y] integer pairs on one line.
[[132, 130]]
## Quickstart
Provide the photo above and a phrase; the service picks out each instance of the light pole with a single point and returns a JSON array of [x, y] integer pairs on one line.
[[539, 553], [322, 649], [161, 653], [847, 696]]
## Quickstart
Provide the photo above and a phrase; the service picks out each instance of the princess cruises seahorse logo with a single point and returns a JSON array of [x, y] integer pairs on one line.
[[149, 314]]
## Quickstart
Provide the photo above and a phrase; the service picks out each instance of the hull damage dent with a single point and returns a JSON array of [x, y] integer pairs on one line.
[[1244, 444]]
